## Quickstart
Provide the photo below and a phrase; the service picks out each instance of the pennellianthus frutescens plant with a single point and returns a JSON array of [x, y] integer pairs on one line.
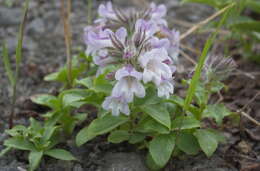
[[131, 60]]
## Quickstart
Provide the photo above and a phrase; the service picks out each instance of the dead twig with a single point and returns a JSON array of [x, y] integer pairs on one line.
[[186, 47], [188, 57], [202, 23], [250, 75], [248, 117], [250, 101]]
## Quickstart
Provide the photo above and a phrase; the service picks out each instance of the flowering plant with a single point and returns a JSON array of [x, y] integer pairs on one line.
[[136, 56], [131, 59], [141, 48]]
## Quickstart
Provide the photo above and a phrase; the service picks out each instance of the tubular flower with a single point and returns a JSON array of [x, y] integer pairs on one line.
[[141, 45], [116, 105], [128, 84], [154, 67]]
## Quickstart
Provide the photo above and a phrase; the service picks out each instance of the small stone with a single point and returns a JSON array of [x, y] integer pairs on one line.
[[123, 162], [78, 167], [244, 147], [36, 27], [10, 16]]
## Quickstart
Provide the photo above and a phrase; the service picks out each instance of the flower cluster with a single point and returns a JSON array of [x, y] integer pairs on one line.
[[141, 45]]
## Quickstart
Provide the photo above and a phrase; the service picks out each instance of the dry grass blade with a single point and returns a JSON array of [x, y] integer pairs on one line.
[[202, 23], [188, 57], [248, 117], [65, 15]]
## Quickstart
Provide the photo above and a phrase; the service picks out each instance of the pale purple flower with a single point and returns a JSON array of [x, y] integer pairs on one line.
[[149, 27], [121, 34], [116, 105], [174, 39], [158, 13], [154, 67], [102, 58], [128, 84], [106, 12], [159, 43], [96, 38], [165, 88]]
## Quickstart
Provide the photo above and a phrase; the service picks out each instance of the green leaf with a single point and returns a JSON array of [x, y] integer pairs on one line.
[[161, 148], [159, 113], [118, 136], [87, 82], [207, 141], [73, 97], [149, 125], [80, 116], [35, 159], [57, 76], [253, 5], [7, 65], [149, 99], [247, 26], [216, 111], [101, 84], [99, 126], [18, 130], [185, 122], [136, 138], [18, 51], [4, 151], [45, 100], [61, 75], [218, 135], [199, 67], [60, 154], [216, 86], [48, 132], [187, 143], [19, 143], [151, 163]]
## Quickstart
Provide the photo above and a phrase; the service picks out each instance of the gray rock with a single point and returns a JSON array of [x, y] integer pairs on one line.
[[123, 162], [36, 27], [78, 167], [3, 136], [10, 16], [201, 163], [196, 12]]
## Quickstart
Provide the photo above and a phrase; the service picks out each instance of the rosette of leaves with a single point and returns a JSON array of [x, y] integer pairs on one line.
[[39, 140]]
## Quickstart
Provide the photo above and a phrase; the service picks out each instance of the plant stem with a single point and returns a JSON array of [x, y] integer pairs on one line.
[[65, 14], [89, 11]]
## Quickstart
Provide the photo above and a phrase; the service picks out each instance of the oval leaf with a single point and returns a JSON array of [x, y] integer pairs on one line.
[[161, 148], [118, 136], [60, 154], [99, 126], [19, 143], [187, 143], [207, 141], [45, 100], [185, 122], [35, 159], [158, 113]]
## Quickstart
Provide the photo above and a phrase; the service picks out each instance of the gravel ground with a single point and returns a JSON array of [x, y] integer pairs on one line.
[[44, 52]]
